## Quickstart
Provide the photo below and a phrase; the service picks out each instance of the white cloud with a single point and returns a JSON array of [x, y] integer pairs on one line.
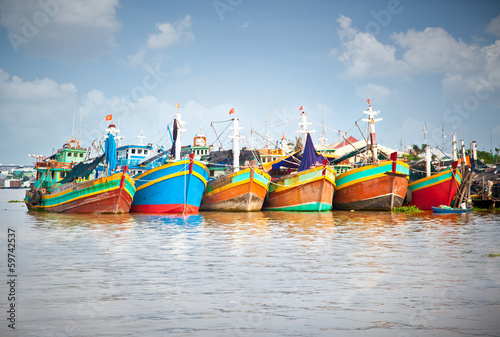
[[245, 25], [364, 56], [431, 51], [171, 34], [434, 50], [494, 27], [78, 29]]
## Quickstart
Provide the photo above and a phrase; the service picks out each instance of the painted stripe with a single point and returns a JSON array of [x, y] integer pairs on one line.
[[281, 185], [312, 206], [369, 172], [434, 180], [170, 165], [170, 176]]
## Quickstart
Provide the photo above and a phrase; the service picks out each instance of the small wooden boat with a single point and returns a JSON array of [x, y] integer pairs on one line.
[[447, 209], [381, 185], [63, 183], [243, 189], [310, 188], [372, 187], [436, 189]]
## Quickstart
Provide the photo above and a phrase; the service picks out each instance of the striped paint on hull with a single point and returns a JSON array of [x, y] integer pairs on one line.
[[311, 191], [372, 187], [112, 194], [436, 190], [242, 191], [171, 188]]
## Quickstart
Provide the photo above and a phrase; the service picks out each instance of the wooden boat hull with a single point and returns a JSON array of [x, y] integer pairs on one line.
[[450, 210], [242, 191], [112, 194], [171, 188], [372, 187], [311, 190], [438, 189]]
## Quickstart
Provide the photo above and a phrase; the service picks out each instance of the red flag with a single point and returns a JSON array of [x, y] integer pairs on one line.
[[300, 108], [231, 111], [109, 117], [177, 106], [368, 100]]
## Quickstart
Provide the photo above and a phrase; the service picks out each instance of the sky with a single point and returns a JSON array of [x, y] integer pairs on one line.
[[66, 65]]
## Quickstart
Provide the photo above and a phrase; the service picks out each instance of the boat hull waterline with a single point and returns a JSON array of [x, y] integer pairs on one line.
[[438, 189], [171, 188], [372, 187], [243, 191], [111, 194], [310, 190]]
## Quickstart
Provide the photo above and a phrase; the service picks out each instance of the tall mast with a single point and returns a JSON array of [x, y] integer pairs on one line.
[[303, 128], [236, 143], [180, 130], [371, 125], [454, 147]]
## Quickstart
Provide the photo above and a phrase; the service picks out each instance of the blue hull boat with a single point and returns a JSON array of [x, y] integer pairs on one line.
[[447, 209]]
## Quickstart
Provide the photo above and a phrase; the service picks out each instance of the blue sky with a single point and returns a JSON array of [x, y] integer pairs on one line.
[[432, 62]]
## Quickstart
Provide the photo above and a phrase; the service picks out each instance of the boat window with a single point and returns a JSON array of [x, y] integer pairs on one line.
[[145, 151], [133, 151], [69, 154], [81, 155], [139, 151]]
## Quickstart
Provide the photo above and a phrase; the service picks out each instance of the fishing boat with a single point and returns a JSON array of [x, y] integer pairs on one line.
[[244, 187], [310, 187], [176, 186], [64, 182], [379, 185], [435, 189], [447, 209]]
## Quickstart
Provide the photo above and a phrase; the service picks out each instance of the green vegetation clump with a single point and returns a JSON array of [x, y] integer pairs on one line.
[[407, 209], [492, 255], [13, 201]]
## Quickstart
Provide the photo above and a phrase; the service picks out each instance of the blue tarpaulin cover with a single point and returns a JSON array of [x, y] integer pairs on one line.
[[110, 151], [309, 156]]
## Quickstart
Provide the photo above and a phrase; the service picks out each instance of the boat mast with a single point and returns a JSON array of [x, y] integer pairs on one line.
[[454, 147], [180, 130], [303, 128], [371, 125], [236, 144]]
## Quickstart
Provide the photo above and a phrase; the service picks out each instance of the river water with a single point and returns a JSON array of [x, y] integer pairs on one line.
[[250, 274]]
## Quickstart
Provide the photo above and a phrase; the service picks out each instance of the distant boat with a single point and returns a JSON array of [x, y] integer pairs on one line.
[[446, 209], [176, 186], [243, 189], [64, 185], [310, 188], [381, 185]]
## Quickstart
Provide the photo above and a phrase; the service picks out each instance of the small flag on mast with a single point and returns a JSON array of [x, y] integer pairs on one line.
[[368, 100], [177, 106], [300, 108], [109, 117], [231, 111]]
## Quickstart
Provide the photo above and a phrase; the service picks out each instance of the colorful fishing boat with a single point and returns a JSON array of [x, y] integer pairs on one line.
[[64, 183], [381, 185], [310, 188], [372, 187], [446, 209], [244, 189], [175, 186], [434, 190]]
